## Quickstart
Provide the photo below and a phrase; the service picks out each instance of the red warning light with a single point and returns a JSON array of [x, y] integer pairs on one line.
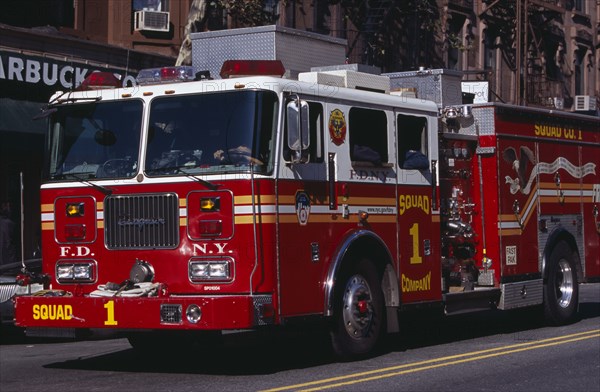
[[238, 68]]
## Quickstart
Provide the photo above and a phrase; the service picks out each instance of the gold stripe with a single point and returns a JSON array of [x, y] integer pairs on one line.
[[182, 221], [182, 202], [563, 185], [47, 208], [247, 219], [264, 199], [100, 224], [48, 226], [509, 232], [378, 201], [99, 205]]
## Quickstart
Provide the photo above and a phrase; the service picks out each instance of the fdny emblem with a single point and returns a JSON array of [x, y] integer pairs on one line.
[[302, 207], [337, 127]]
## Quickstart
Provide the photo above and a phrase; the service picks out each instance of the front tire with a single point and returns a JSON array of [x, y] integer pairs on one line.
[[359, 320], [561, 290]]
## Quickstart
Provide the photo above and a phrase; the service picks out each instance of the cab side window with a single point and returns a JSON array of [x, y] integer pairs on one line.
[[412, 142], [368, 136]]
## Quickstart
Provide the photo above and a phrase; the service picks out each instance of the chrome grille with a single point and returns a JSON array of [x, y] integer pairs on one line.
[[141, 221]]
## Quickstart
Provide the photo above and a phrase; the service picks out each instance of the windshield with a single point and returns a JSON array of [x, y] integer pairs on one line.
[[211, 133], [94, 140]]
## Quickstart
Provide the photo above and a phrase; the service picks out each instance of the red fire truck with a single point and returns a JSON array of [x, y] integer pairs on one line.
[[201, 206]]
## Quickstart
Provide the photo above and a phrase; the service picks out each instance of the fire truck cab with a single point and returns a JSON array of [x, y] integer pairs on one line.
[[198, 205]]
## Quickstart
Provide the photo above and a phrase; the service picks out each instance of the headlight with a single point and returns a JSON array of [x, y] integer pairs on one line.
[[64, 272], [80, 272], [210, 270]]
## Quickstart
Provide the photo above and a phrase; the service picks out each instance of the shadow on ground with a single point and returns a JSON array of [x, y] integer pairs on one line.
[[296, 348]]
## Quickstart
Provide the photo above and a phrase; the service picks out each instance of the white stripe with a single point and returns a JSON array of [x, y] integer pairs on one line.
[[565, 192], [247, 209], [508, 225]]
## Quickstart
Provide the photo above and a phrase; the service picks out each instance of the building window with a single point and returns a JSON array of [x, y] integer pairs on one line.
[[216, 17], [456, 43], [151, 5], [489, 51], [580, 71], [580, 5], [321, 16]]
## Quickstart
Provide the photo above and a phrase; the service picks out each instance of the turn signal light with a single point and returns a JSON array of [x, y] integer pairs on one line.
[[210, 204], [75, 209]]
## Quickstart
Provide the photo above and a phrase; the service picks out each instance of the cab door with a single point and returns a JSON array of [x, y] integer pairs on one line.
[[418, 215], [303, 216]]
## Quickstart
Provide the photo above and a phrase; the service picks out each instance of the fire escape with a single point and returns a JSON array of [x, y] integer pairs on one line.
[[368, 35], [533, 52]]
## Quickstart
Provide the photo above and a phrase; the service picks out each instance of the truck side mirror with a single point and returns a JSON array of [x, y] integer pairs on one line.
[[298, 139]]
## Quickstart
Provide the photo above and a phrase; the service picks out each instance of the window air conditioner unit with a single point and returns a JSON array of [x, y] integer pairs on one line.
[[151, 21], [585, 103]]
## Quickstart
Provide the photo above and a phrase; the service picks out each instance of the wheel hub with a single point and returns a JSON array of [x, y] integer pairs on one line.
[[564, 284], [358, 308]]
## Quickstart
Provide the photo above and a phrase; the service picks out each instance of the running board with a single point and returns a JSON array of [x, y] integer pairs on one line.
[[471, 301]]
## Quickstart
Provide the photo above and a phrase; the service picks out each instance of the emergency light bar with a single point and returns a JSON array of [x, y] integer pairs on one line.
[[100, 80], [166, 75], [238, 68]]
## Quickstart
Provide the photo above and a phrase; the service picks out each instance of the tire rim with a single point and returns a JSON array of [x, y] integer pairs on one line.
[[564, 284], [358, 307]]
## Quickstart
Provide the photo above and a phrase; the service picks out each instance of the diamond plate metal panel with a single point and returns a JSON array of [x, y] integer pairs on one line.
[[482, 121], [298, 50], [562, 222], [485, 120], [520, 294], [442, 86], [7, 291]]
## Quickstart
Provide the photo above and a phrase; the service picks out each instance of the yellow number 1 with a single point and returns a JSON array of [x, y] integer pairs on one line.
[[414, 232], [110, 313]]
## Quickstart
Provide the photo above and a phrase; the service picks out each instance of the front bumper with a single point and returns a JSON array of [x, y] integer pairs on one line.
[[218, 312]]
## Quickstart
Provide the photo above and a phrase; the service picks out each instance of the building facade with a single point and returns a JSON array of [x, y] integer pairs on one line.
[[46, 46], [528, 52]]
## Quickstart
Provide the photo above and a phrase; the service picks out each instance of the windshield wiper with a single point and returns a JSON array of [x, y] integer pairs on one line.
[[178, 170], [100, 188]]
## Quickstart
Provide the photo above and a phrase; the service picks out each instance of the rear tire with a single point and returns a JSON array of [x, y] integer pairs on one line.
[[561, 290], [359, 318]]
